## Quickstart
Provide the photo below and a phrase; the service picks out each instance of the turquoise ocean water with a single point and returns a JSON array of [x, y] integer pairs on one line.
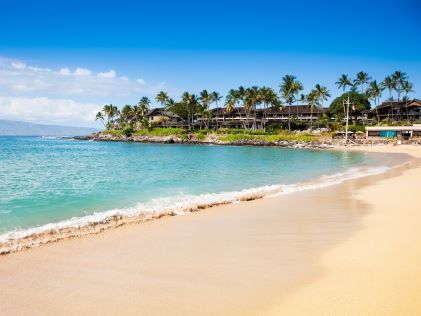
[[46, 180]]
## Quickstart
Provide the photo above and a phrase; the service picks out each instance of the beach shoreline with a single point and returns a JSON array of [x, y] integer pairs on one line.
[[96, 223], [246, 256]]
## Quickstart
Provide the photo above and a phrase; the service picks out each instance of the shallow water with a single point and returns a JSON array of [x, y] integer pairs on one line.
[[52, 180]]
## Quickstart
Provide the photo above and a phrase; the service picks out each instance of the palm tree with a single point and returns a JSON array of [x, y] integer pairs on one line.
[[229, 106], [144, 106], [268, 97], [303, 98], [361, 80], [216, 97], [298, 88], [288, 89], [100, 116], [407, 88], [251, 100], [110, 111], [127, 114], [205, 100], [190, 102], [399, 77], [162, 97], [194, 106], [185, 99], [374, 92], [390, 84], [313, 99], [170, 104], [232, 100], [343, 82], [322, 94], [207, 117]]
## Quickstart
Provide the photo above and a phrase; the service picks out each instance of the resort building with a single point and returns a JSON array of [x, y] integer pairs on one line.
[[402, 133], [399, 110], [303, 115], [164, 117], [240, 117]]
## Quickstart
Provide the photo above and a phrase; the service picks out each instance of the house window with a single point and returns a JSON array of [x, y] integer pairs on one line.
[[374, 133]]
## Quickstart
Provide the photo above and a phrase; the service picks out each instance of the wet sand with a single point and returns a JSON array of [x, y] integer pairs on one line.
[[324, 247]]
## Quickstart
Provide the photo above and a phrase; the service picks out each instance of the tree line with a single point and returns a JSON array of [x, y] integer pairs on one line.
[[250, 99]]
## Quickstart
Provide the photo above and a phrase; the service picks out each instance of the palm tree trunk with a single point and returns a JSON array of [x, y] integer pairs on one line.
[[254, 119], [217, 115], [391, 108]]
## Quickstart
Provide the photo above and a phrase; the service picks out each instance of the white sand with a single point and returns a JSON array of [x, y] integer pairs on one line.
[[377, 271]]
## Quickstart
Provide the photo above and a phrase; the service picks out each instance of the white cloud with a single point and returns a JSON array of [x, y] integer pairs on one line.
[[82, 72], [109, 74], [39, 69], [68, 96], [47, 110], [18, 65], [64, 71], [18, 78]]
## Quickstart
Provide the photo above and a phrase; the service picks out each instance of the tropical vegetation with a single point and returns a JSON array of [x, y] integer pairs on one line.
[[244, 101]]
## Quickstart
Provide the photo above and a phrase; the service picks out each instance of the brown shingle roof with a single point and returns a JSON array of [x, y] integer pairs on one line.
[[161, 111]]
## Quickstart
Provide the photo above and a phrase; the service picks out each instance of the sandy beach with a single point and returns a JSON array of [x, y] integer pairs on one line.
[[349, 249]]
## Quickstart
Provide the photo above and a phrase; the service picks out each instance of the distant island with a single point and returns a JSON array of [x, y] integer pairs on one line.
[[18, 128]]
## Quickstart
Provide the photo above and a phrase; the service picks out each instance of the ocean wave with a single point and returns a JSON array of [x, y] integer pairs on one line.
[[169, 206], [329, 180]]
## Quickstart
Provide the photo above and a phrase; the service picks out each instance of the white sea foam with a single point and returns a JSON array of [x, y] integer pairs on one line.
[[156, 208], [329, 180]]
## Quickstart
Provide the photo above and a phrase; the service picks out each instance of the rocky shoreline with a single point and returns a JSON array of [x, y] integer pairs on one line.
[[209, 140], [214, 140]]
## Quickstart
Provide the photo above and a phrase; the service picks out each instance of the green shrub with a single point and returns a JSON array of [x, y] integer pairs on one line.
[[161, 131], [284, 136], [356, 128], [127, 131], [114, 132], [201, 136]]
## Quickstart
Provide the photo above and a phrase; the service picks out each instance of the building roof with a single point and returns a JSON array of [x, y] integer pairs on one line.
[[393, 128], [398, 104], [301, 109], [161, 111], [414, 102], [294, 109], [393, 103]]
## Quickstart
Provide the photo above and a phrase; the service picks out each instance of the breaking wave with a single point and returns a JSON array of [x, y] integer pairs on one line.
[[181, 204]]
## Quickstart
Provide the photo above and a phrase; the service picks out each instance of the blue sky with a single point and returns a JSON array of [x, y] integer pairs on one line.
[[61, 60]]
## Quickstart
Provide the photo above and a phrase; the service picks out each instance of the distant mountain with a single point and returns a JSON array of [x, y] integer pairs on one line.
[[16, 128]]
